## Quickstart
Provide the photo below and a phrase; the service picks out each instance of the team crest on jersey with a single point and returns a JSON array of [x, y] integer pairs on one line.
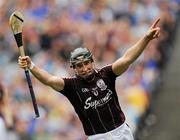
[[101, 84], [95, 91]]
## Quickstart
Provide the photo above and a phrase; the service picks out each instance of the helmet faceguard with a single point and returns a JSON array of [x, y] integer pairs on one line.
[[80, 55]]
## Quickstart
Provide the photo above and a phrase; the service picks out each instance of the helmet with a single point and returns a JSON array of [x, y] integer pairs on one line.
[[80, 55]]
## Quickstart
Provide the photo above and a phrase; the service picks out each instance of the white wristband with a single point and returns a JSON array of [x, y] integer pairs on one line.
[[31, 66]]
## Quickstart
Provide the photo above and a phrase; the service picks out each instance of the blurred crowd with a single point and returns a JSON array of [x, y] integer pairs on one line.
[[52, 28]]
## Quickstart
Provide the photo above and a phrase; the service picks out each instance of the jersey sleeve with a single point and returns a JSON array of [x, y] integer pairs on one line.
[[68, 86], [107, 70]]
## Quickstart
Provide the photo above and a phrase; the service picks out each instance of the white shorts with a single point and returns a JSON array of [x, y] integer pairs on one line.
[[122, 132]]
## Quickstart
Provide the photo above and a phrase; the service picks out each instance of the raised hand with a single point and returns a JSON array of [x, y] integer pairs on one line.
[[154, 31], [24, 62]]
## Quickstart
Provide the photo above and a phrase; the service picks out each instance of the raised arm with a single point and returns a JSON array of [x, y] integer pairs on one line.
[[44, 77], [122, 64]]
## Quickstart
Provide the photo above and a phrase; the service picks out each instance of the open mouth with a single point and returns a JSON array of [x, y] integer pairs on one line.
[[86, 74]]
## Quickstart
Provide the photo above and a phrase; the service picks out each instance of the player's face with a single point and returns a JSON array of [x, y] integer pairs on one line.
[[84, 69]]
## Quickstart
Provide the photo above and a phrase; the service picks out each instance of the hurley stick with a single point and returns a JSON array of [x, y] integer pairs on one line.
[[16, 23]]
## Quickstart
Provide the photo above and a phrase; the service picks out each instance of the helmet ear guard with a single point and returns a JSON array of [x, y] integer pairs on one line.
[[80, 55]]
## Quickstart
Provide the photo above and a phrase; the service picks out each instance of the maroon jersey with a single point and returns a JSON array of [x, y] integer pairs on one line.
[[95, 101]]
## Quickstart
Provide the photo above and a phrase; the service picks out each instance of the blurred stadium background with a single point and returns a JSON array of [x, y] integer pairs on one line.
[[52, 29]]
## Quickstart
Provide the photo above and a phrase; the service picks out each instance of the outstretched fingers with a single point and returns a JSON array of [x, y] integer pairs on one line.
[[157, 33], [155, 23]]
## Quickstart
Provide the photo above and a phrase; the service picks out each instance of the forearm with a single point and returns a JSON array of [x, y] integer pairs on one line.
[[44, 77], [135, 51], [41, 75], [122, 64]]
